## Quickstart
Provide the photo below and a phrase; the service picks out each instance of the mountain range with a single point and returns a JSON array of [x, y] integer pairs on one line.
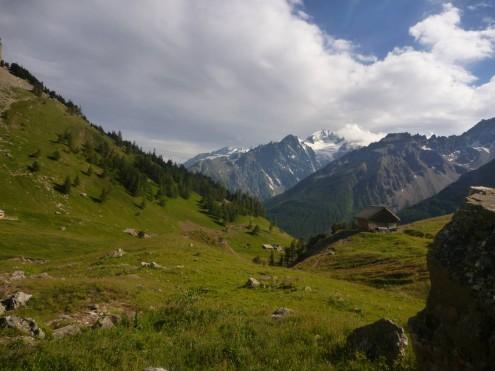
[[270, 169], [399, 171], [451, 198]]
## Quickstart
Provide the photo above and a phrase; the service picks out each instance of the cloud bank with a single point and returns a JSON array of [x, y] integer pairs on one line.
[[185, 76]]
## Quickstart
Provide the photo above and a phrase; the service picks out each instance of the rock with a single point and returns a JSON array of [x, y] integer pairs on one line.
[[107, 321], [117, 253], [281, 313], [93, 307], [154, 369], [456, 330], [17, 275], [83, 194], [252, 283], [25, 325], [308, 289], [382, 338], [69, 330], [153, 265], [131, 232], [15, 301]]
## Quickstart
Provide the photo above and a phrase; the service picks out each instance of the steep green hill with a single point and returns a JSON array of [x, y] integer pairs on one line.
[[186, 308]]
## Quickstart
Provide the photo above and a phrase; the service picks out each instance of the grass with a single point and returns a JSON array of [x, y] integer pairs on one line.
[[194, 313], [392, 260]]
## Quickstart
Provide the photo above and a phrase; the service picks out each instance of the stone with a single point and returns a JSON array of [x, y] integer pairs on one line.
[[106, 321], [17, 275], [252, 283], [15, 301], [93, 307], [382, 338], [25, 325], [153, 265], [117, 253], [154, 369], [281, 313], [69, 330], [456, 329], [131, 232]]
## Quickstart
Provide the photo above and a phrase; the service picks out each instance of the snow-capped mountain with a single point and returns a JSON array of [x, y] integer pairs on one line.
[[270, 169], [328, 146], [222, 152]]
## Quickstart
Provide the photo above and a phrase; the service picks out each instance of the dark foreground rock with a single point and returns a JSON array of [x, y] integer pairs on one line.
[[381, 339], [456, 330]]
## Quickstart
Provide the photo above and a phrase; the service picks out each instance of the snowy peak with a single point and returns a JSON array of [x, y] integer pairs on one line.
[[272, 168], [327, 145], [222, 152]]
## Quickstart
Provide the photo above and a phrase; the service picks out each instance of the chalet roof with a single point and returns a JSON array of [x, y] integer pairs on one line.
[[378, 213]]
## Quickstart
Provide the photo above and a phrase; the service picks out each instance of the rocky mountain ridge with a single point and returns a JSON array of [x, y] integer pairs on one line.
[[270, 169], [399, 171]]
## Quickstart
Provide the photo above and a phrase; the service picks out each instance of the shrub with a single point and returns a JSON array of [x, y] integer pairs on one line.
[[55, 156], [34, 167]]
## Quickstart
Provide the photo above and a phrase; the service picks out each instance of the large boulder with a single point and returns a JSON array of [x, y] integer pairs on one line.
[[456, 330], [27, 326], [16, 301], [380, 339]]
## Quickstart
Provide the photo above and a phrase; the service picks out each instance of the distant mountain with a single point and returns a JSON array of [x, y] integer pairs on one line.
[[398, 171], [452, 197], [222, 152], [270, 169]]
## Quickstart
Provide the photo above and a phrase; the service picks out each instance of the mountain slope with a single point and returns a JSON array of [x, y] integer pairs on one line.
[[398, 171], [451, 198], [189, 310], [270, 169]]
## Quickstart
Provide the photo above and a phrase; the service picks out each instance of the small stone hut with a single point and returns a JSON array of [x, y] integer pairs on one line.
[[377, 218]]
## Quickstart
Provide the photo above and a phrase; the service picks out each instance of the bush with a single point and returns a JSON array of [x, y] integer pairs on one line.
[[55, 156], [34, 167], [35, 154]]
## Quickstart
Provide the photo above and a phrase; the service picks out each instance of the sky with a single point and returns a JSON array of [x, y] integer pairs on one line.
[[189, 76]]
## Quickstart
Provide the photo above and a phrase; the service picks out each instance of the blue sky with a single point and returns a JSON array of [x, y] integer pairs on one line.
[[188, 76], [378, 26]]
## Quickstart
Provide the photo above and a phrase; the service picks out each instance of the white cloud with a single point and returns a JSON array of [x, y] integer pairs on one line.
[[447, 40], [184, 76], [355, 134]]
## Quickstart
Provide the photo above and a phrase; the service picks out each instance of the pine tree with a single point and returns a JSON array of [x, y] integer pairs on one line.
[[77, 181], [66, 187], [256, 230], [34, 167], [272, 258], [104, 195]]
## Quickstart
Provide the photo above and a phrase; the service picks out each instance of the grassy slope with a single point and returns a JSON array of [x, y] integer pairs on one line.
[[382, 259], [193, 314]]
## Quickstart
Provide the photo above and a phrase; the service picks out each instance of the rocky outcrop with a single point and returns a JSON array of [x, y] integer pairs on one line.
[[380, 339], [456, 330], [27, 326], [16, 300]]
